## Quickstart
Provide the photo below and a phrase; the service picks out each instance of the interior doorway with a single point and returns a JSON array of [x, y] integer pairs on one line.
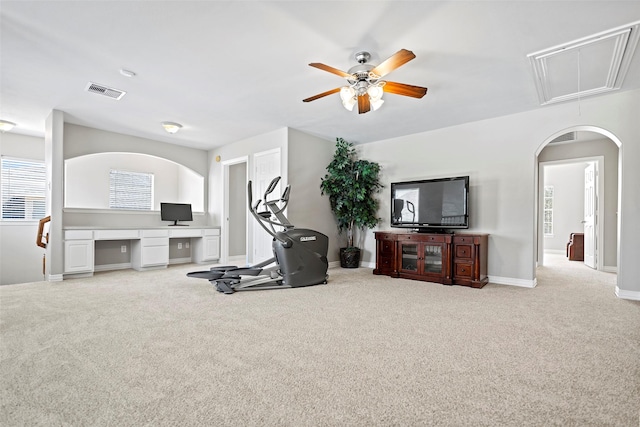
[[574, 150], [234, 233]]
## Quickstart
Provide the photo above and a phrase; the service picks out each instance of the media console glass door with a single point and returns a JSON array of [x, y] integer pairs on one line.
[[421, 258]]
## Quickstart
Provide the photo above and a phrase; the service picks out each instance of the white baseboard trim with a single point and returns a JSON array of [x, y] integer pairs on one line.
[[610, 269], [630, 295], [334, 264], [55, 277], [496, 280], [185, 260], [108, 267], [555, 251], [237, 260]]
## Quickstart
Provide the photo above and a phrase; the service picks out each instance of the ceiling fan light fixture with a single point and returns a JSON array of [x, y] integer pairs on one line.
[[375, 92], [376, 103], [348, 96], [6, 125], [171, 127]]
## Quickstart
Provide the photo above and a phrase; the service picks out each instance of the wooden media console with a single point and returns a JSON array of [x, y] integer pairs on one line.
[[450, 259]]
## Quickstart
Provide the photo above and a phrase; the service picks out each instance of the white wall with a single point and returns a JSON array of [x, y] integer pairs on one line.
[[568, 203], [87, 180], [83, 142], [499, 155], [20, 258], [308, 160]]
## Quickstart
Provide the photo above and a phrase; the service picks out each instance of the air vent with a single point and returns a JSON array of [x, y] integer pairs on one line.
[[567, 137], [105, 91]]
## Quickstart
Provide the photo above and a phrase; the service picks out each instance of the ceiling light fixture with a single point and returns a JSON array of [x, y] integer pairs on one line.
[[6, 125], [171, 127], [366, 86], [127, 73], [362, 82]]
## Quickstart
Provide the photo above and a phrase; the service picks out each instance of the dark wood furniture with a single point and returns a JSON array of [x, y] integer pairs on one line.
[[575, 247], [450, 259]]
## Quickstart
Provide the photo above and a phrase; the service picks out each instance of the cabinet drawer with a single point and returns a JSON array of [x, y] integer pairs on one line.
[[155, 255], [387, 247], [463, 239], [78, 235], [463, 269], [463, 251], [386, 236], [155, 241], [116, 234], [212, 232], [186, 232], [385, 263], [155, 233], [423, 238]]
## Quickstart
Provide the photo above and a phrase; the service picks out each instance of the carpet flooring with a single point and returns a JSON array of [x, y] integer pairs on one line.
[[157, 348]]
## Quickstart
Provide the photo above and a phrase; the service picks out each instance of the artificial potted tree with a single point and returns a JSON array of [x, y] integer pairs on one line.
[[351, 184]]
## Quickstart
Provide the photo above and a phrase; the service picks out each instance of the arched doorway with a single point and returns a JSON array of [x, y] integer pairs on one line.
[[575, 146]]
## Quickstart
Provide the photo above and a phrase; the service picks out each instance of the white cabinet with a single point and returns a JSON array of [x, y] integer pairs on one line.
[[152, 250], [208, 247], [78, 251], [149, 246]]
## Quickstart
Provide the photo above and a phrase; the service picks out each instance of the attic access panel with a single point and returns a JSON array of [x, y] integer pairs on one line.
[[588, 66]]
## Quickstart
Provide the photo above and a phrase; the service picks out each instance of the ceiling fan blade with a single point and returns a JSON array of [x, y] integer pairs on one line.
[[364, 104], [330, 69], [399, 58], [403, 89], [323, 94]]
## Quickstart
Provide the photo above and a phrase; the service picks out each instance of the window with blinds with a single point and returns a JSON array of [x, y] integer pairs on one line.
[[130, 190], [22, 189], [548, 210]]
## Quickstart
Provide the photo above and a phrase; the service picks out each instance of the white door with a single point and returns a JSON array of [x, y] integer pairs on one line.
[[266, 167], [590, 206]]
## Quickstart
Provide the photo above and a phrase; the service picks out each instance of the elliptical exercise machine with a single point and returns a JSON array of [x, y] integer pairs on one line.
[[300, 255]]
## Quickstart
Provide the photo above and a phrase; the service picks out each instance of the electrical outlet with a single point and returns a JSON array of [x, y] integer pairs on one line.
[[186, 245], [123, 249], [179, 245]]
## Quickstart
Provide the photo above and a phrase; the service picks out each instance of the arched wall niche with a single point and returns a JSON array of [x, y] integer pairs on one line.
[[86, 179]]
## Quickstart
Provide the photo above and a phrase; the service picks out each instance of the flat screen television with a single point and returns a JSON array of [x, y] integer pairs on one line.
[[431, 205], [176, 212]]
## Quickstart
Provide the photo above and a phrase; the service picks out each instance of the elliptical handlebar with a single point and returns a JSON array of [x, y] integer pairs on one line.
[[271, 205]]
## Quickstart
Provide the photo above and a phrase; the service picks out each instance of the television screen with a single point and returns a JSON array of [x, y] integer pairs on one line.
[[430, 204], [176, 212]]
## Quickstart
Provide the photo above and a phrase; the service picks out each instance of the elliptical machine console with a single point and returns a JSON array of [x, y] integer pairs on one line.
[[299, 255]]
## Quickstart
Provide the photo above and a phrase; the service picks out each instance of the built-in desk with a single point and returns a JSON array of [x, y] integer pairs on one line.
[[149, 246]]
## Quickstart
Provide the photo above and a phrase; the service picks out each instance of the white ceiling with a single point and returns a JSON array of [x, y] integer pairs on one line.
[[229, 70]]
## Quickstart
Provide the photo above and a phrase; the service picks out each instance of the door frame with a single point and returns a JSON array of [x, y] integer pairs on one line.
[[600, 213], [224, 255]]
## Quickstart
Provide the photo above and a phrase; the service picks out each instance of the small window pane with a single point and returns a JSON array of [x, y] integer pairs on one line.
[[130, 190]]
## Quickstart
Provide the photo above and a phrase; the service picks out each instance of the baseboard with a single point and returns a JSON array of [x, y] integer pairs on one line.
[[185, 260], [496, 280], [630, 295], [55, 277], [237, 260], [334, 264], [108, 267], [610, 269]]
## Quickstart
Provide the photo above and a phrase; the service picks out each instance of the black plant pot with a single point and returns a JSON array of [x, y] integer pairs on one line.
[[349, 257]]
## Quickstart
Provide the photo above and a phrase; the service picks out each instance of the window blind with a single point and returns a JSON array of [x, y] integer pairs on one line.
[[22, 189], [130, 190]]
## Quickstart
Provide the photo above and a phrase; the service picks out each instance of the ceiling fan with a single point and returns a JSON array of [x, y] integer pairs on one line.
[[365, 85]]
